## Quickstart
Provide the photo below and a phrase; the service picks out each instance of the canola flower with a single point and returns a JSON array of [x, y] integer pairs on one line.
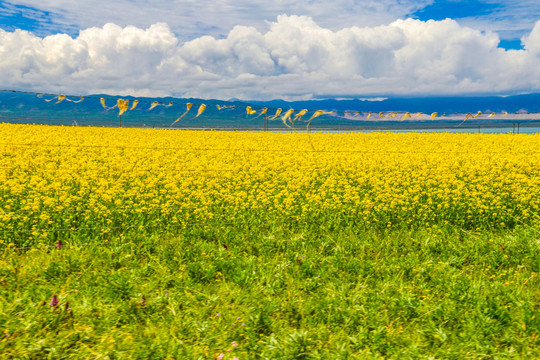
[[70, 182]]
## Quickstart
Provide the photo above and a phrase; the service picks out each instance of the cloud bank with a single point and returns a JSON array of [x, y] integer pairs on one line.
[[294, 59], [193, 18]]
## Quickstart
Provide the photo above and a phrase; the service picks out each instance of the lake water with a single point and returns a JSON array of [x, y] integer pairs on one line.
[[486, 130]]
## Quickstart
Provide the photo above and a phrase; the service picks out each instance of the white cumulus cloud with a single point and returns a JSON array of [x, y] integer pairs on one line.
[[193, 18], [295, 58]]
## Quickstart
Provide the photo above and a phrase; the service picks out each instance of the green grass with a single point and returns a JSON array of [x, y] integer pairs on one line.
[[437, 293]]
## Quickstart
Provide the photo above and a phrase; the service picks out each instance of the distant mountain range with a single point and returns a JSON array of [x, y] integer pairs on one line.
[[29, 108], [511, 104]]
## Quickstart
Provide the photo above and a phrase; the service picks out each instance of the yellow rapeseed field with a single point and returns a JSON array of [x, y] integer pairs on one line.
[[60, 181]]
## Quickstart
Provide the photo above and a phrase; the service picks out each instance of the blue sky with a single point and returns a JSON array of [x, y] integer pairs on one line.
[[260, 49], [189, 19], [487, 15], [40, 22]]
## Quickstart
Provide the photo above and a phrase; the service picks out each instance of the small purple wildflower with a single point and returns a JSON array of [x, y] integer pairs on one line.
[[218, 314], [59, 244], [54, 301]]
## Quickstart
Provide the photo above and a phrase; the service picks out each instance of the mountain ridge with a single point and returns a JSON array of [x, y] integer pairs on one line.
[[442, 104], [18, 107]]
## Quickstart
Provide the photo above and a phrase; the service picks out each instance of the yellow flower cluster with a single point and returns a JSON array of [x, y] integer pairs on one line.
[[58, 180]]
